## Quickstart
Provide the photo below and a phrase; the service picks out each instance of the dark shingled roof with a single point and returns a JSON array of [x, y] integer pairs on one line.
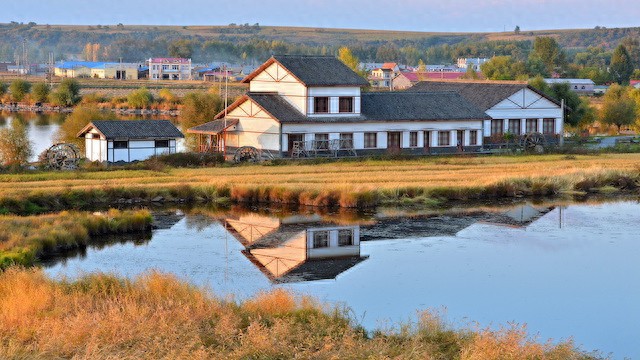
[[482, 94], [213, 127], [315, 70], [134, 129], [381, 106]]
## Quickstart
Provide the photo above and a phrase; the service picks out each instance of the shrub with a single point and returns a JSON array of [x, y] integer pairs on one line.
[[15, 148], [140, 99], [67, 93], [19, 89], [188, 159], [40, 92]]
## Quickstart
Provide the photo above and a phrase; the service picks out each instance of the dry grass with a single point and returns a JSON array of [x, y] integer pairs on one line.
[[159, 317], [346, 183], [25, 239]]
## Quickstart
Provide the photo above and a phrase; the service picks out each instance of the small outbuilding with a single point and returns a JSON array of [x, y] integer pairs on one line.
[[129, 140]]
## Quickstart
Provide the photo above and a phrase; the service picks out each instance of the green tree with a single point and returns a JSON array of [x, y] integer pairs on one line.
[[140, 99], [67, 93], [3, 90], [634, 76], [547, 49], [575, 108], [388, 52], [40, 92], [517, 30], [618, 108], [621, 67], [181, 49], [632, 45], [471, 73], [19, 89], [79, 118], [15, 147], [503, 68], [198, 108]]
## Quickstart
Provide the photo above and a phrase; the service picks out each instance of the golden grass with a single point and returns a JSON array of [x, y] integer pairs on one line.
[[345, 183], [24, 239], [158, 317]]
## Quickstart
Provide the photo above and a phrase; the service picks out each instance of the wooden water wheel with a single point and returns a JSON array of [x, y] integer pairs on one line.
[[533, 142], [63, 156], [246, 154]]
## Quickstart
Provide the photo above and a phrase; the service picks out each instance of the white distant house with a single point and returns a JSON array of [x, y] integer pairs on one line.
[[169, 69], [129, 140], [581, 86], [513, 108], [464, 63], [313, 105]]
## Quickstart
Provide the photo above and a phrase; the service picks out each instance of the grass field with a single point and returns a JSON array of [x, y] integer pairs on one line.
[[349, 183], [157, 316]]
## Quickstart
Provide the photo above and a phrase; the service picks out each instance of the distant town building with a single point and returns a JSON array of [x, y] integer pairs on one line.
[[384, 75], [464, 63], [581, 86], [98, 70], [169, 69]]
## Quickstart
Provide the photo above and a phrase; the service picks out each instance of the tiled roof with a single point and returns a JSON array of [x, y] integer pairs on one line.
[[314, 70], [213, 127], [169, 60], [378, 106], [134, 129], [484, 95]]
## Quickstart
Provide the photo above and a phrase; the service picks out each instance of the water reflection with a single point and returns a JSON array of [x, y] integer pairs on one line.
[[564, 269]]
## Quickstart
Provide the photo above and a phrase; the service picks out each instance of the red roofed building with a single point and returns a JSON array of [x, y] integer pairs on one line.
[[405, 80], [169, 69]]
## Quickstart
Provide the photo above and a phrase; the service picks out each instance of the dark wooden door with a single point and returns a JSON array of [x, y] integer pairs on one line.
[[394, 140]]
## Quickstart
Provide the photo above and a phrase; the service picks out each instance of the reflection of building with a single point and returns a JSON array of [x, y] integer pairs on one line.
[[519, 216], [297, 248]]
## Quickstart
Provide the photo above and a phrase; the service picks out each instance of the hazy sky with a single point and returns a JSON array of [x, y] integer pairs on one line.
[[441, 15]]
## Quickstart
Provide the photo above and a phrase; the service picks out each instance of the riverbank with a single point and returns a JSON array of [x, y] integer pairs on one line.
[[25, 240], [48, 108], [156, 316], [350, 183]]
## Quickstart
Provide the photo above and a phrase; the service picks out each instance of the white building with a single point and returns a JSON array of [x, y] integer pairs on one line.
[[313, 105], [581, 86], [169, 69], [464, 63], [513, 108], [129, 140]]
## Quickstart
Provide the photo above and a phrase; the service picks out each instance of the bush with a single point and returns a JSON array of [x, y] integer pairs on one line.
[[140, 99], [40, 92], [19, 89], [79, 118], [67, 93], [15, 148], [188, 159]]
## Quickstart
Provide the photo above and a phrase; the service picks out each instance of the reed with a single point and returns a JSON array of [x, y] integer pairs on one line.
[[24, 240], [157, 316]]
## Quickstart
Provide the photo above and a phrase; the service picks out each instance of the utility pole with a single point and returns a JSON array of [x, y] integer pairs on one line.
[[25, 58]]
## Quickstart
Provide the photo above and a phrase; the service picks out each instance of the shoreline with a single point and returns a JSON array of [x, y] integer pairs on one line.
[[45, 108]]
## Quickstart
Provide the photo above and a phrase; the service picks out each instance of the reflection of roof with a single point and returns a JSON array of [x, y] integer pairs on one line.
[[376, 106], [484, 95], [134, 129], [519, 216], [314, 70], [320, 269], [414, 227]]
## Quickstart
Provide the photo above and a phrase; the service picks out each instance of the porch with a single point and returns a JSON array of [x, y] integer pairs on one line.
[[213, 136]]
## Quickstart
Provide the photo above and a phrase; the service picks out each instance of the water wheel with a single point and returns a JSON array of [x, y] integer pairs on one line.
[[63, 156], [533, 142], [245, 154]]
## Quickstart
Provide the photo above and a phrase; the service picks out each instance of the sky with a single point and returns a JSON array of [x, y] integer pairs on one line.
[[410, 15]]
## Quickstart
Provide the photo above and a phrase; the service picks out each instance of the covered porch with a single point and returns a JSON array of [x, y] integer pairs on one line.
[[213, 136]]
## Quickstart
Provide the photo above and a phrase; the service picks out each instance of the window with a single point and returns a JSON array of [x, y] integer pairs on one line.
[[162, 143], [370, 140], [165, 67], [346, 140], [175, 67], [473, 137], [497, 127], [95, 136], [322, 141], [320, 239], [443, 138], [345, 237], [532, 125], [514, 126], [548, 126], [321, 105], [413, 139], [345, 104], [120, 144]]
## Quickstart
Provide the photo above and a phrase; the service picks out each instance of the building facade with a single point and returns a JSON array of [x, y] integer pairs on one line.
[[169, 69]]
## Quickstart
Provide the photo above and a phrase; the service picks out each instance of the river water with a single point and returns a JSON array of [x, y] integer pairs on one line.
[[564, 270]]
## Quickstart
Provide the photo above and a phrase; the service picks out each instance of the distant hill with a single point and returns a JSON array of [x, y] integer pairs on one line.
[[247, 42]]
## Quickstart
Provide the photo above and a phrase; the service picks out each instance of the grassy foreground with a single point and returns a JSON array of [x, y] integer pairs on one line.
[[23, 240], [349, 183], [156, 316]]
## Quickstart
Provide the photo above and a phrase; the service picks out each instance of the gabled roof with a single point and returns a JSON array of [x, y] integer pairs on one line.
[[314, 70], [133, 129], [375, 106], [213, 127], [484, 95]]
